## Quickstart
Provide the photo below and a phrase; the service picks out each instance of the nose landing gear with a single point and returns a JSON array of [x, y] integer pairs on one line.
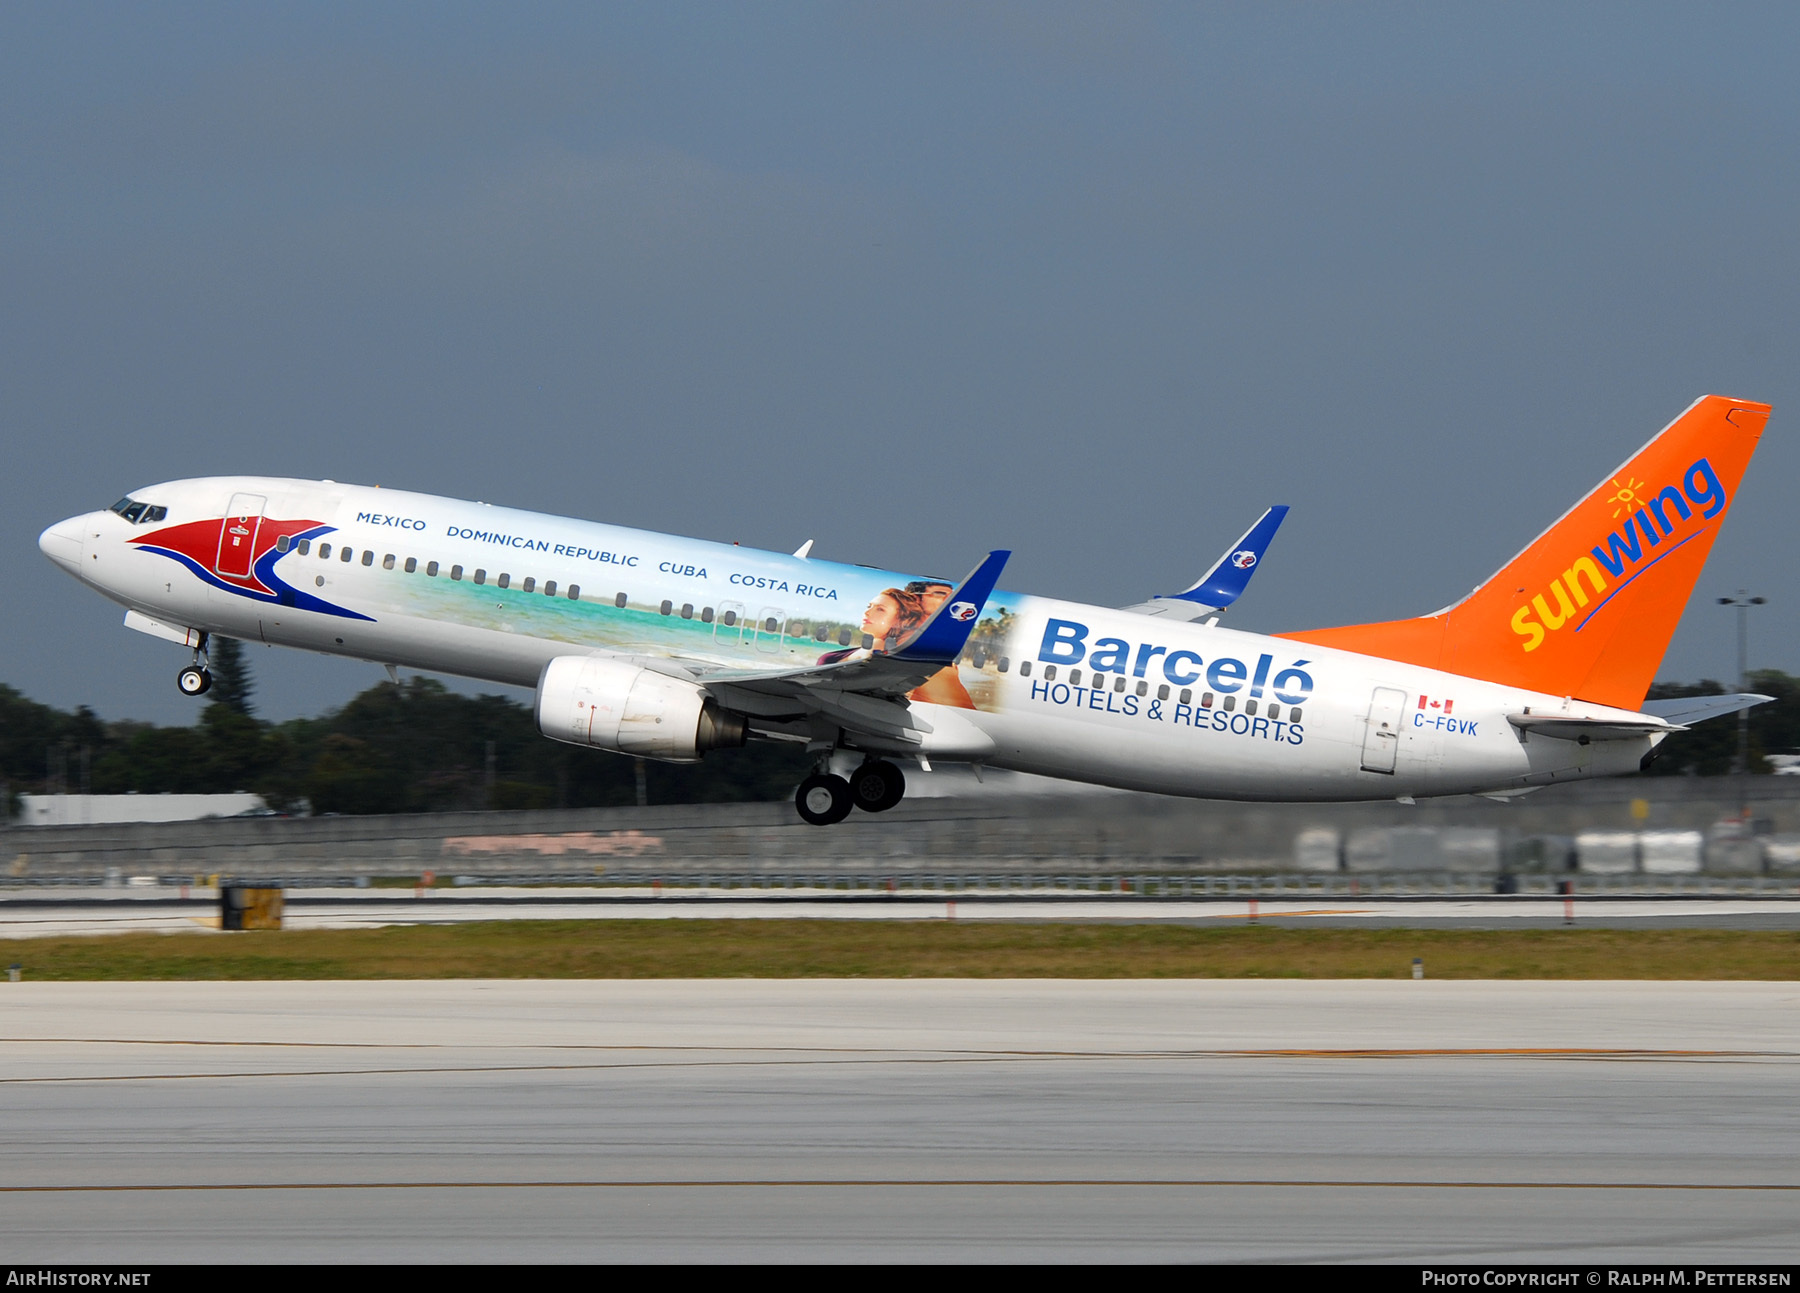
[[196, 679]]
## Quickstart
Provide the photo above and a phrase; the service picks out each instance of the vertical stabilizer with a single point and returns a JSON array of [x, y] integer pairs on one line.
[[1587, 610]]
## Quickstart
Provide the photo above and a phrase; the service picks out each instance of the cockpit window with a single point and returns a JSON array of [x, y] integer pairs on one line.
[[138, 513]]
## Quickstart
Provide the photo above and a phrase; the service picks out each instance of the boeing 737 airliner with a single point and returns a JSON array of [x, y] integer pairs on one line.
[[665, 647]]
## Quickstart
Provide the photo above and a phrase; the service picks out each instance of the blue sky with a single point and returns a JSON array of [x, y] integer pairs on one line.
[[1096, 283]]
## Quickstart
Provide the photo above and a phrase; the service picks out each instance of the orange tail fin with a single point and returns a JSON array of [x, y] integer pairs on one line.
[[1587, 610]]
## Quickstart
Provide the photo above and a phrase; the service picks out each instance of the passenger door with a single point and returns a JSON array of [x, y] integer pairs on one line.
[[1381, 730], [237, 535]]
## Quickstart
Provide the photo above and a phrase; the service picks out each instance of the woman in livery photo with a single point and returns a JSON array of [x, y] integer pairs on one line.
[[892, 617]]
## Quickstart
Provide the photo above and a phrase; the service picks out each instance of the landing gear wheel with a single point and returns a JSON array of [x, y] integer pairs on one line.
[[194, 681], [877, 786], [823, 799]]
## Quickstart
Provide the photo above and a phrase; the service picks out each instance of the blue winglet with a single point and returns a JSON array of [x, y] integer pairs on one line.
[[942, 637], [1226, 581]]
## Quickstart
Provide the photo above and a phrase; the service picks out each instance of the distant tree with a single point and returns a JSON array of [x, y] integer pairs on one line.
[[412, 748], [1708, 749], [32, 736], [232, 685], [1775, 728]]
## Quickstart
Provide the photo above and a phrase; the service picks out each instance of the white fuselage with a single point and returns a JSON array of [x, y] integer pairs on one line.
[[1058, 688]]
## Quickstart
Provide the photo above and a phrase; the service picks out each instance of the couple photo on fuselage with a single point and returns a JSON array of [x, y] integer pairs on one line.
[[894, 615]]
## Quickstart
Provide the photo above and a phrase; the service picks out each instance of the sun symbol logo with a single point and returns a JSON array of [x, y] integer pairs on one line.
[[1627, 497]]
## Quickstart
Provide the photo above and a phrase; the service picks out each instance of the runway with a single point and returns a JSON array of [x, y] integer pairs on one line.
[[45, 914], [922, 1120]]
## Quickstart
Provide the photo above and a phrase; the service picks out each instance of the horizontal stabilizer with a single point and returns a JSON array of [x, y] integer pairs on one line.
[[1568, 728], [1697, 709]]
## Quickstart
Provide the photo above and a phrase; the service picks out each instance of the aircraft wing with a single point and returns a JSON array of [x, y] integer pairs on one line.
[[1219, 587], [863, 692]]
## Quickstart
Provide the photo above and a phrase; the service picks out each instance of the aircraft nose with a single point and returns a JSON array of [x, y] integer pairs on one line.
[[62, 544]]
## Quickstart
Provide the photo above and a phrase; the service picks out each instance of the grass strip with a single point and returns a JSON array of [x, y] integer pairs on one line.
[[789, 949]]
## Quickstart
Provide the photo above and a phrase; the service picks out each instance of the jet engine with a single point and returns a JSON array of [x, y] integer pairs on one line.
[[590, 700]]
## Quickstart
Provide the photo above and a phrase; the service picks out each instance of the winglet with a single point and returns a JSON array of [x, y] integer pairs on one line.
[[1226, 581], [940, 639], [1230, 575]]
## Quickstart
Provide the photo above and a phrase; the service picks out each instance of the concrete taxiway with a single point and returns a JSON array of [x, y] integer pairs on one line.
[[43, 914], [930, 1120]]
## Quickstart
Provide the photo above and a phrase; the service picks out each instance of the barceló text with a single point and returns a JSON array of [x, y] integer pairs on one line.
[[1066, 642]]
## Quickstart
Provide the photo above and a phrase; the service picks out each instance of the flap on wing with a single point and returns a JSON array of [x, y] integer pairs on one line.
[[861, 671], [1697, 709], [1570, 728], [1226, 581]]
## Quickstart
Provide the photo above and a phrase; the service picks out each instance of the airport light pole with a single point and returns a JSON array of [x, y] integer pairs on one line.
[[1743, 602]]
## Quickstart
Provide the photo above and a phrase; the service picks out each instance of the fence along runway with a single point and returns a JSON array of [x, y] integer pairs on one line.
[[53, 912], [1045, 1120]]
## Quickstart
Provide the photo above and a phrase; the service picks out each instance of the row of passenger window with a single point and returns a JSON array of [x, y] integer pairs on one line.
[[347, 554], [1120, 683], [730, 619], [796, 629]]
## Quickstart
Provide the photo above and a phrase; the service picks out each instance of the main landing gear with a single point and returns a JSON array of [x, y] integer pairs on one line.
[[196, 679], [877, 786], [825, 798]]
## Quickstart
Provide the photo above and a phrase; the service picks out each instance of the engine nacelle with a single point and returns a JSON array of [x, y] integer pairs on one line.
[[589, 700]]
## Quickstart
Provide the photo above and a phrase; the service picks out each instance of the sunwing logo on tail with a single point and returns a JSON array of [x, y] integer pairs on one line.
[[1649, 522]]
